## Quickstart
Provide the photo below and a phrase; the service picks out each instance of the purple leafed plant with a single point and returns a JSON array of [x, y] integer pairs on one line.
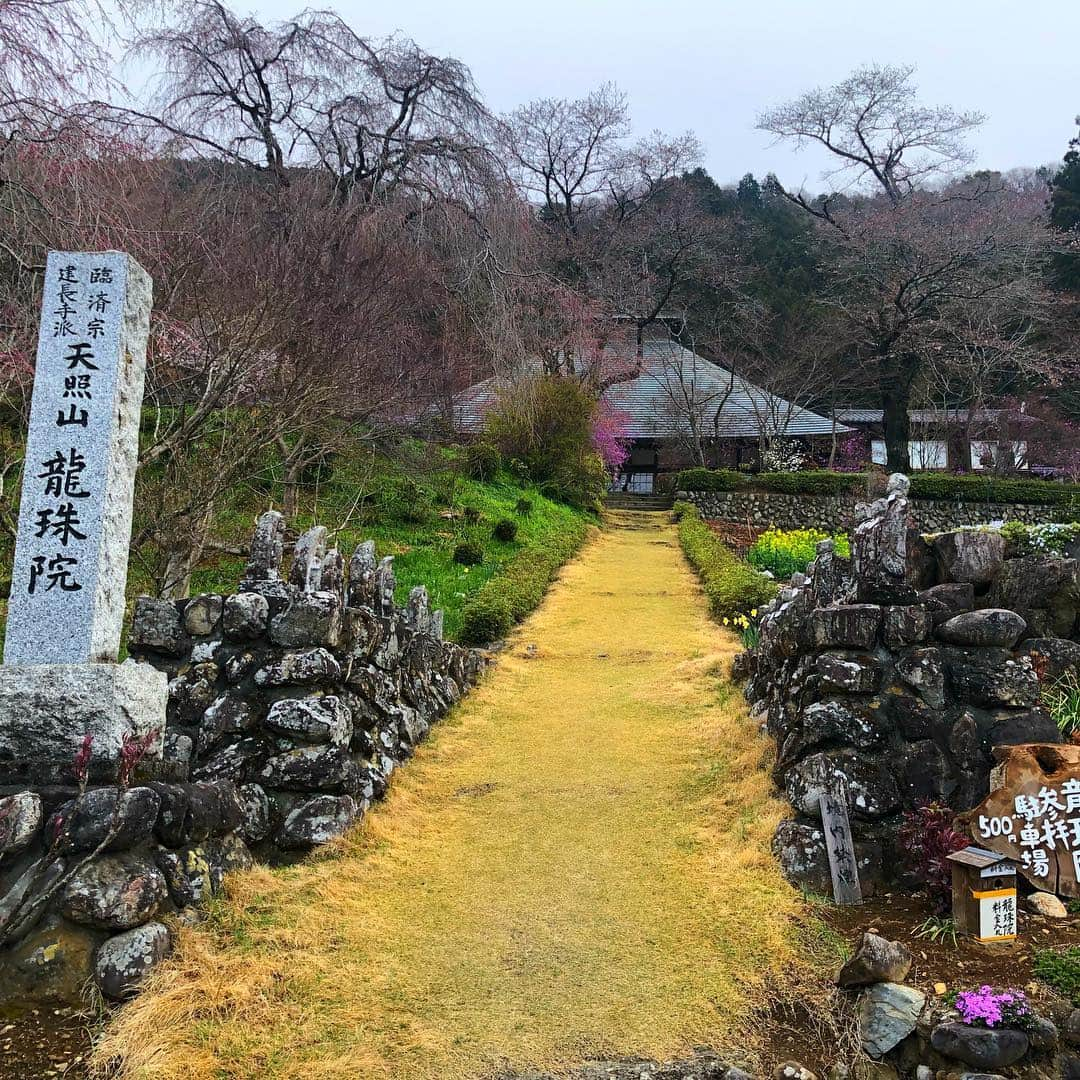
[[987, 1007], [927, 839]]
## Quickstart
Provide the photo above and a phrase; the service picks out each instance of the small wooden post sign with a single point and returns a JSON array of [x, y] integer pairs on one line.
[[984, 895], [839, 844]]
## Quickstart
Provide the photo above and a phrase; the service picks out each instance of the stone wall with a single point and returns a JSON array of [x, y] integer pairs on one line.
[[290, 704], [837, 513], [895, 673]]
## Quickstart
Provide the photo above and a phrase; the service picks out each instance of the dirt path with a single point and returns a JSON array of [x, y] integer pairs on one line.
[[575, 865]]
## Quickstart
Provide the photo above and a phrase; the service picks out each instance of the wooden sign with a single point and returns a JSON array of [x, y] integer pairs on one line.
[[1032, 815], [840, 846]]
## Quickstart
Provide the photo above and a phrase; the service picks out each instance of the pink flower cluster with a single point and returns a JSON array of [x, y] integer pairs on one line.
[[986, 1007]]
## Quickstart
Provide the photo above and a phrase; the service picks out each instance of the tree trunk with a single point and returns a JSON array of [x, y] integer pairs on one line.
[[896, 381]]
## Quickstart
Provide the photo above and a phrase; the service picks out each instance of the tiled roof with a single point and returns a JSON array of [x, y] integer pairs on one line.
[[656, 403], [928, 416]]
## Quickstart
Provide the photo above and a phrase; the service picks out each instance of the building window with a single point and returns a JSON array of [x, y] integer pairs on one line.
[[929, 453], [984, 455], [878, 454]]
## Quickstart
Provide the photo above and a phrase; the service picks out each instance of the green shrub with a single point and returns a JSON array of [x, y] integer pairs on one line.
[[1060, 969], [1050, 539], [712, 480], [813, 482], [505, 530], [731, 586], [523, 507], [471, 515], [468, 553], [402, 498], [543, 426], [519, 586], [924, 485], [486, 618], [788, 552], [483, 461]]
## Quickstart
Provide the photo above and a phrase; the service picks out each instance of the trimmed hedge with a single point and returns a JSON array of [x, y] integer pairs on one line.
[[924, 485], [518, 587], [731, 586]]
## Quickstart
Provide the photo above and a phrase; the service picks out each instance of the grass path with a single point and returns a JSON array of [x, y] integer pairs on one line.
[[575, 864]]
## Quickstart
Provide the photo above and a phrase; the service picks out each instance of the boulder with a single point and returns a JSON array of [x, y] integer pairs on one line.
[[313, 618], [311, 720], [984, 1048], [255, 825], [236, 762], [316, 821], [187, 875], [890, 559], [927, 775], [124, 960], [156, 625], [202, 614], [848, 672], [309, 768], [191, 693], [229, 714], [246, 616], [1052, 657], [923, 671], [1005, 727], [301, 668], [1047, 905], [850, 723], [969, 555], [1044, 589], [990, 626], [20, 820], [114, 892], [888, 1013], [944, 601], [854, 626], [92, 817], [875, 960], [990, 676], [907, 624], [871, 785]]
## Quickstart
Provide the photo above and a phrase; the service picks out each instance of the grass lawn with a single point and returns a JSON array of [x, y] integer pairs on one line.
[[417, 507], [575, 864]]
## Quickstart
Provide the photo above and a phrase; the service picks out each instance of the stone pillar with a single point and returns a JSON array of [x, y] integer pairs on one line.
[[71, 554], [60, 680]]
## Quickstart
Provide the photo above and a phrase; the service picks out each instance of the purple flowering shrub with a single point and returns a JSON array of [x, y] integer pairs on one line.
[[987, 1007]]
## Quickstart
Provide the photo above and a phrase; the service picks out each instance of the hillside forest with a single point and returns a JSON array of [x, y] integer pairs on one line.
[[343, 235]]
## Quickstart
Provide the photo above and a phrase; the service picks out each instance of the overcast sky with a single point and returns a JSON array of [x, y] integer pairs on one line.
[[710, 66]]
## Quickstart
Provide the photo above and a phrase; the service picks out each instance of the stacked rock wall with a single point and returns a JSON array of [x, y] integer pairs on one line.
[[892, 676], [290, 703], [837, 513]]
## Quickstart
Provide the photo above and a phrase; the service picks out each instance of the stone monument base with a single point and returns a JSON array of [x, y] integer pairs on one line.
[[47, 709]]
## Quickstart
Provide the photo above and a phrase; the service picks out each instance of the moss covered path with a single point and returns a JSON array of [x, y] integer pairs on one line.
[[574, 865]]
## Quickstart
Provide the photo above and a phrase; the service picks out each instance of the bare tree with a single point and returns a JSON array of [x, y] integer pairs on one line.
[[906, 256], [309, 92]]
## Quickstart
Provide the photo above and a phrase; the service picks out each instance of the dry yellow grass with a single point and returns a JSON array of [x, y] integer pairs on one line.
[[575, 864]]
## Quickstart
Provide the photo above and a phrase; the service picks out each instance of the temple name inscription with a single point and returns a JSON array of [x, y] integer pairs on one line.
[[70, 568]]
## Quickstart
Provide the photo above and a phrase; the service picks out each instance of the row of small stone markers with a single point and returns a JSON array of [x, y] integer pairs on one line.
[[264, 721]]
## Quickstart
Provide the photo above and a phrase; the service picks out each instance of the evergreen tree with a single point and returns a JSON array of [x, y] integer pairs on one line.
[[1065, 215]]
